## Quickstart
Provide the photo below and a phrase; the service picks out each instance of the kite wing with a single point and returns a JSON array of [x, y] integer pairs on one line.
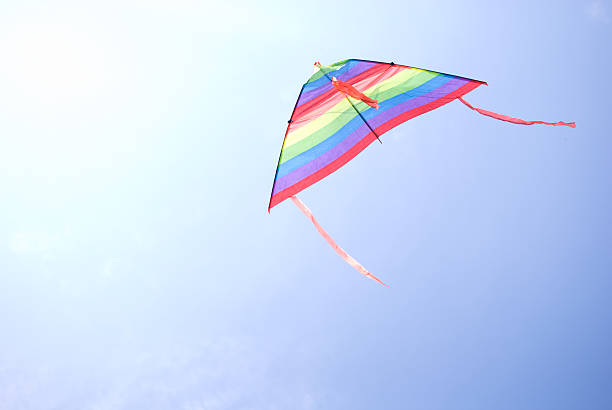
[[328, 128]]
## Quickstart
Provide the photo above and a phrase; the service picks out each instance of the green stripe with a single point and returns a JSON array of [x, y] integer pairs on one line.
[[319, 135], [347, 115]]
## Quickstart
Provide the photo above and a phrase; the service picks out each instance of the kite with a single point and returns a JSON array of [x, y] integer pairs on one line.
[[346, 106]]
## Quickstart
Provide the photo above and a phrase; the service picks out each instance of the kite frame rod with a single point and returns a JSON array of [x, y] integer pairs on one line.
[[283, 146], [419, 68]]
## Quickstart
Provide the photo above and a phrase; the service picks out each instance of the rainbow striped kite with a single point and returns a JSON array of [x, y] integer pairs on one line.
[[345, 107]]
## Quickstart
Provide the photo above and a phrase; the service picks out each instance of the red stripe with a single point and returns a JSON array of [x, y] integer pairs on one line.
[[394, 122], [323, 172], [367, 140], [305, 108]]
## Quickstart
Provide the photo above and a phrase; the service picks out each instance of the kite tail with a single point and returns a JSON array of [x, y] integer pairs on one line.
[[347, 258], [513, 120]]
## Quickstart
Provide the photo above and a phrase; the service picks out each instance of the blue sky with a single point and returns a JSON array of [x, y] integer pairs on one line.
[[139, 268]]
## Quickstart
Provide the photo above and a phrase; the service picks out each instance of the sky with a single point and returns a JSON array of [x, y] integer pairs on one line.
[[140, 269]]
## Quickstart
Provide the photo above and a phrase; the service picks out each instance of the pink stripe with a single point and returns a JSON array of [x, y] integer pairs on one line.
[[512, 119], [347, 258]]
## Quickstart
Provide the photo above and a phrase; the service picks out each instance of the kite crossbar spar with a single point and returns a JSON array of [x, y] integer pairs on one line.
[[317, 64], [347, 258], [513, 120]]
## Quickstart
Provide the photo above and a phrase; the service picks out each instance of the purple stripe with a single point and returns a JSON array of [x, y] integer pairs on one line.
[[413, 103], [358, 69], [352, 139]]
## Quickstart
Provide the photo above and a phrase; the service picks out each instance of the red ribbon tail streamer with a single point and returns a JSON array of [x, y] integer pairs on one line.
[[347, 258], [512, 119]]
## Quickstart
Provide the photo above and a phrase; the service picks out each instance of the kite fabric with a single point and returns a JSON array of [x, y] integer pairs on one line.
[[344, 107]]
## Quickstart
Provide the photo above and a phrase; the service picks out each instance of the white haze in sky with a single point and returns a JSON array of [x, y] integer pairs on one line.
[[139, 268]]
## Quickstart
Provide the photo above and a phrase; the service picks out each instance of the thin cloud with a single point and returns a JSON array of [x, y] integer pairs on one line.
[[43, 244], [598, 11]]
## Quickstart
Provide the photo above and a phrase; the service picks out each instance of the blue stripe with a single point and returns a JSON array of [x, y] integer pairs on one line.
[[369, 114]]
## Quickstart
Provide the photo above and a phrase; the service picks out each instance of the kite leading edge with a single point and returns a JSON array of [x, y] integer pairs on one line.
[[346, 106]]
